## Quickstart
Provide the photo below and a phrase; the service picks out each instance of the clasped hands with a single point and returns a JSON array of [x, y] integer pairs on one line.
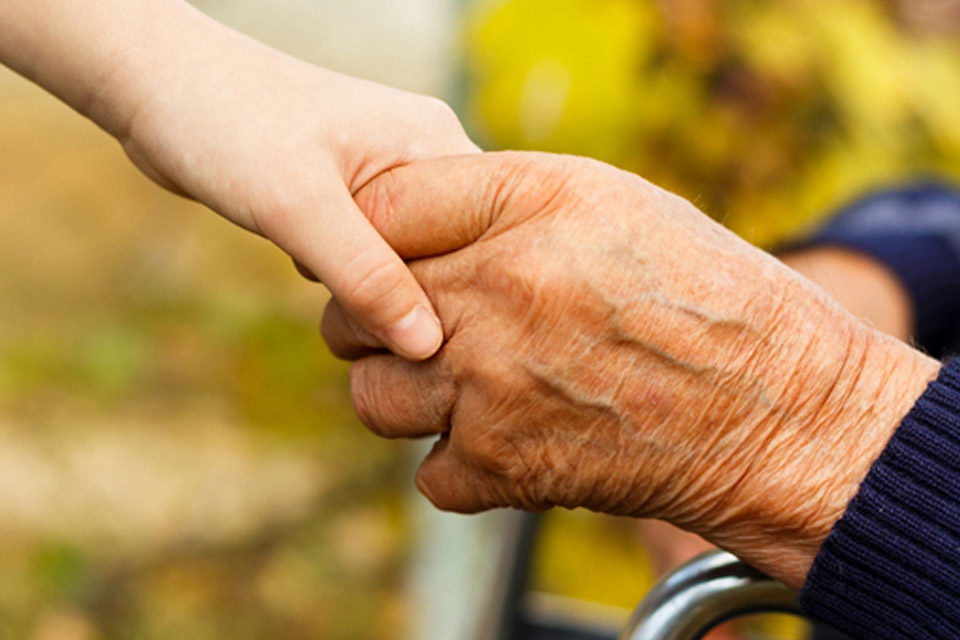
[[604, 344], [609, 346]]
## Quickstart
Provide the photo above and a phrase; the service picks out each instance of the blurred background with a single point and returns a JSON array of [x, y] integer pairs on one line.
[[178, 455]]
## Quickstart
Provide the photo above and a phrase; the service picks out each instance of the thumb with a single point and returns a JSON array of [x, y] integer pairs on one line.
[[363, 273], [440, 205]]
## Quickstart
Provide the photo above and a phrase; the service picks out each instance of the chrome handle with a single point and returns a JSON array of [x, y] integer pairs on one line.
[[704, 592]]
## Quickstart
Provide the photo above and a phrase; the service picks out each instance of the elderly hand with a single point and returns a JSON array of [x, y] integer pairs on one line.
[[272, 143], [609, 346]]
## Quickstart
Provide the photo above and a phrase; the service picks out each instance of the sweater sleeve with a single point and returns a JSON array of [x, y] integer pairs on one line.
[[915, 232], [890, 569]]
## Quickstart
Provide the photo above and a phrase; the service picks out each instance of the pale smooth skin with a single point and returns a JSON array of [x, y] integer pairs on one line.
[[274, 144], [611, 347]]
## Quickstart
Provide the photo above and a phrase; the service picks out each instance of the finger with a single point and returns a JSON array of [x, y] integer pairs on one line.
[[335, 242], [344, 335], [451, 483], [437, 206], [395, 398], [306, 273]]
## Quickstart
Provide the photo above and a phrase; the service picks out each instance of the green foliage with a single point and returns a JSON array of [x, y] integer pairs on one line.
[[268, 365], [61, 570]]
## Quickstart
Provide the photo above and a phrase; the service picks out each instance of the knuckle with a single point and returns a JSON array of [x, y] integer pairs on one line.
[[278, 212], [434, 494], [339, 349], [526, 283], [441, 129], [535, 183], [273, 222], [360, 395], [330, 325], [373, 280], [487, 452], [358, 335], [388, 409], [377, 200], [440, 111], [525, 269]]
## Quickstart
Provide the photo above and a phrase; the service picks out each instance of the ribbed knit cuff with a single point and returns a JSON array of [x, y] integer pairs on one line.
[[890, 568]]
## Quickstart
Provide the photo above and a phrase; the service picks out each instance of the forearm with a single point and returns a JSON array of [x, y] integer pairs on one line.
[[911, 233], [100, 56], [865, 287]]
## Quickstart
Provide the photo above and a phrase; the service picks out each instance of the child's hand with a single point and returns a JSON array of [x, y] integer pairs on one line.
[[272, 143]]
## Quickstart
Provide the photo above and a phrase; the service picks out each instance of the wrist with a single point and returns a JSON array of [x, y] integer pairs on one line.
[[847, 407], [88, 54], [864, 286], [159, 43]]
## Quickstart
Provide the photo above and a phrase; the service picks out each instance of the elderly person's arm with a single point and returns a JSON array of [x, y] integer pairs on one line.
[[608, 346], [866, 287], [893, 257], [273, 144]]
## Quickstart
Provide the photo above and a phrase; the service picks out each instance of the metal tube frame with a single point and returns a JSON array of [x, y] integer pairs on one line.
[[699, 595]]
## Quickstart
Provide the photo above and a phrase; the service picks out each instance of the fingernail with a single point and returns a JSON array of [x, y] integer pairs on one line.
[[418, 334]]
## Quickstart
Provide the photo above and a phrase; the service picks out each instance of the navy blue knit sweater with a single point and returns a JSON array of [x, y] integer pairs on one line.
[[890, 569]]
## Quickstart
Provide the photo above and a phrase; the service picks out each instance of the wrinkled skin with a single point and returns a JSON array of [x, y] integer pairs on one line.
[[609, 346]]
